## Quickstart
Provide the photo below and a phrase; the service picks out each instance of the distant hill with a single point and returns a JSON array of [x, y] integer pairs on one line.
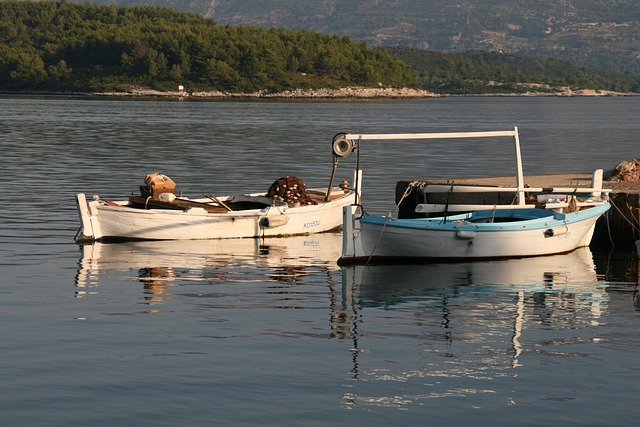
[[598, 34], [49, 46], [60, 46], [475, 72]]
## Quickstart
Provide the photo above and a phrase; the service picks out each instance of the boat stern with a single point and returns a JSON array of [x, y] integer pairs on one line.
[[89, 226], [351, 243]]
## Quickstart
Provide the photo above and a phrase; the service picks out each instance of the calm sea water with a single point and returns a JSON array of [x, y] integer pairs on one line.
[[274, 333]]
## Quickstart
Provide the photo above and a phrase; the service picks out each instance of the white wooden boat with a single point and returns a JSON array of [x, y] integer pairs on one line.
[[499, 231], [158, 214]]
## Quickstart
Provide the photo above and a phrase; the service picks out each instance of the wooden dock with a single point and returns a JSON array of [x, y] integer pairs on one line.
[[620, 227]]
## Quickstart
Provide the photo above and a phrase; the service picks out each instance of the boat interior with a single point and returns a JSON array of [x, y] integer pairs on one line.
[[509, 215], [238, 202]]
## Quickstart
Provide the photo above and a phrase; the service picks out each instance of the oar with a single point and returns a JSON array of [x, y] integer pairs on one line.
[[215, 199]]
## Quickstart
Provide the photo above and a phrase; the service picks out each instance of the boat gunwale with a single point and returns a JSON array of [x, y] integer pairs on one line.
[[124, 205], [544, 219]]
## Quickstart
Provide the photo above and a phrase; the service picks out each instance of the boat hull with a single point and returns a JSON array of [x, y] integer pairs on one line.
[[537, 232], [109, 221]]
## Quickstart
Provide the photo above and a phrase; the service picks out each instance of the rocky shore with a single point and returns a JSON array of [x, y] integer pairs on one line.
[[341, 93], [359, 93], [539, 89]]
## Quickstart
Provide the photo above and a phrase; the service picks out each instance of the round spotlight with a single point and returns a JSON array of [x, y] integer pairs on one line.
[[342, 147]]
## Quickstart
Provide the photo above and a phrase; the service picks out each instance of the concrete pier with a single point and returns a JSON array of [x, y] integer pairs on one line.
[[620, 227]]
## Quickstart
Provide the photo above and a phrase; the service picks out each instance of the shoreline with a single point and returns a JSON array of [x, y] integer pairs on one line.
[[326, 93], [346, 93], [355, 92]]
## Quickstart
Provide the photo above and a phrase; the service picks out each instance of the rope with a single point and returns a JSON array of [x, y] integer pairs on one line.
[[633, 223], [407, 191], [446, 206], [606, 215], [631, 208]]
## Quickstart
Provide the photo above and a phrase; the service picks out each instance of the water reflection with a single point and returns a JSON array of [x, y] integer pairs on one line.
[[402, 335], [474, 322], [551, 275], [162, 265]]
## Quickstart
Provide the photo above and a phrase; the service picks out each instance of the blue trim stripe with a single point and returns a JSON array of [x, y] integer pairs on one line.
[[508, 220]]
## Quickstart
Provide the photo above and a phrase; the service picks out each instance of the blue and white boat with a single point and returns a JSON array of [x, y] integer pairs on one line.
[[485, 232], [500, 233]]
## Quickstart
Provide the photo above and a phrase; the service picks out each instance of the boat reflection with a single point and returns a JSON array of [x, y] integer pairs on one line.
[[484, 318], [161, 265], [387, 284]]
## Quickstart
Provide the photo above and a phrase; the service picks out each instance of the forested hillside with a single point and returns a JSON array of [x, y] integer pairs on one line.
[[597, 34], [49, 46], [477, 72], [63, 46]]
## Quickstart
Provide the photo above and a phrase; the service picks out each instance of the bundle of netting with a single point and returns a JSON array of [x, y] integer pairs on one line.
[[290, 190]]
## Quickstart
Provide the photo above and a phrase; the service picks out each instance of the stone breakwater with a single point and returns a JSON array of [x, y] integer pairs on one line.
[[342, 93]]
